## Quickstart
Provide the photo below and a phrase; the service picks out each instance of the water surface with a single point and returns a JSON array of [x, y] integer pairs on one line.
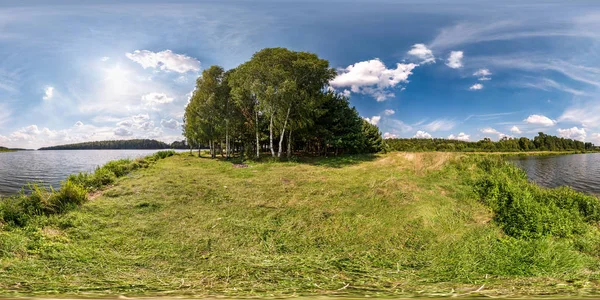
[[579, 171], [52, 166]]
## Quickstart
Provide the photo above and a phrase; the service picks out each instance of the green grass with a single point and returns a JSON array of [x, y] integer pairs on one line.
[[402, 224]]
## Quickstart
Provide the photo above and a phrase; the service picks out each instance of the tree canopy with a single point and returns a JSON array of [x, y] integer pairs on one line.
[[542, 142], [277, 96]]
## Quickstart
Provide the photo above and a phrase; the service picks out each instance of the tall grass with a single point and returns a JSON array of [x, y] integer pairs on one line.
[[37, 200], [526, 210]]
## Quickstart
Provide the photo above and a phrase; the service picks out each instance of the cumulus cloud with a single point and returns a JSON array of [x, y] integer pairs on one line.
[[460, 137], [373, 120], [125, 123], [373, 78], [491, 131], [48, 93], [440, 124], [140, 118], [455, 60], [572, 133], [171, 124], [422, 135], [475, 87], [153, 99], [423, 53], [483, 74], [146, 126], [515, 130], [121, 131], [388, 135], [540, 120], [165, 60]]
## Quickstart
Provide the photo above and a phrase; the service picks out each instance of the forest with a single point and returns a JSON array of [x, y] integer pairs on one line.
[[120, 144], [542, 142], [276, 102]]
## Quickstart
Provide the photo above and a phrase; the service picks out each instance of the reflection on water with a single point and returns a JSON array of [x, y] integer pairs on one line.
[[50, 167], [579, 171]]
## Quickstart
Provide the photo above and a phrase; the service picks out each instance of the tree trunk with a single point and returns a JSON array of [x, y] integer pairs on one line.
[[227, 138], [271, 136], [257, 140], [289, 149], [283, 132]]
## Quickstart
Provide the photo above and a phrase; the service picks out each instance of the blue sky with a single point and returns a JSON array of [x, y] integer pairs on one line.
[[73, 71]]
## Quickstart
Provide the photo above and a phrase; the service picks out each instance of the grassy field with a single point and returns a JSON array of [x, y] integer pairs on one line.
[[402, 224]]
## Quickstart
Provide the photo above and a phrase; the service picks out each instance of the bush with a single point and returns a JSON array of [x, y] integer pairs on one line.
[[526, 210]]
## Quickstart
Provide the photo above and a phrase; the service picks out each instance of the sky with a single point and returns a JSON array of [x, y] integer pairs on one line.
[[74, 71]]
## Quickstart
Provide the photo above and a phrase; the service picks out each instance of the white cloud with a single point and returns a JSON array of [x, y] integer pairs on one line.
[[422, 135], [140, 118], [475, 87], [105, 58], [423, 53], [515, 130], [373, 120], [125, 123], [372, 78], [78, 124], [455, 59], [171, 124], [153, 99], [389, 112], [440, 124], [499, 134], [165, 60], [123, 132], [388, 135], [588, 114], [540, 120], [146, 126], [48, 93], [483, 74], [460, 137], [572, 133], [548, 84], [595, 138]]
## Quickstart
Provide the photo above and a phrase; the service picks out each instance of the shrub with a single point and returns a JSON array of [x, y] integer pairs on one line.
[[526, 210]]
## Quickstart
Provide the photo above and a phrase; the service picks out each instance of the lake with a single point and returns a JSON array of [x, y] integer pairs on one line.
[[579, 171], [52, 166]]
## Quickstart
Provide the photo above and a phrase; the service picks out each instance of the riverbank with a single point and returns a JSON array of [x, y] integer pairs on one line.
[[399, 224]]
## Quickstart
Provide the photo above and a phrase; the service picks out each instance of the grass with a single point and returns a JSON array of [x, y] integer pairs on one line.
[[400, 224]]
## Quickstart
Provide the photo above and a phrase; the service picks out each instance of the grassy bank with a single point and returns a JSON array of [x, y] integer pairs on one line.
[[396, 224]]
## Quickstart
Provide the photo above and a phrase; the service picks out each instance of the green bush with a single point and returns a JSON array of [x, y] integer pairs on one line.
[[526, 210]]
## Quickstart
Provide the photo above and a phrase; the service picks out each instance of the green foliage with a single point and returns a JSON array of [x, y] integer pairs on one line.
[[542, 142], [525, 210], [373, 140], [118, 144], [278, 95]]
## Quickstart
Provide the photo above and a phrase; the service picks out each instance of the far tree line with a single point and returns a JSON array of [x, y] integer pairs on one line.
[[277, 102], [120, 144], [542, 142]]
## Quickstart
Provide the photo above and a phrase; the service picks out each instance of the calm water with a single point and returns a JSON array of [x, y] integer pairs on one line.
[[50, 167], [579, 171]]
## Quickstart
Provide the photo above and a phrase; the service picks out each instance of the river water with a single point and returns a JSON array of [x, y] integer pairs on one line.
[[579, 171], [52, 166]]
